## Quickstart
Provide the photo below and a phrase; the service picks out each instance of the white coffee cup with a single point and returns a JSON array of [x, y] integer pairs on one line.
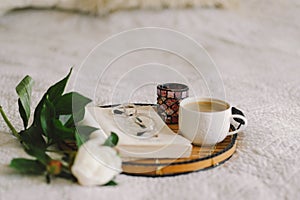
[[206, 127]]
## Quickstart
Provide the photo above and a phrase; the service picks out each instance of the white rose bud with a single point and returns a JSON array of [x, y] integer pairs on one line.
[[95, 164]]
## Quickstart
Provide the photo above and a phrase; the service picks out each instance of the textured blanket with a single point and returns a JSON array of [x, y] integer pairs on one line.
[[257, 50], [106, 6]]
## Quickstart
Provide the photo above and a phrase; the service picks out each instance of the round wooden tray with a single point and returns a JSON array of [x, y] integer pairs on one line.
[[200, 159]]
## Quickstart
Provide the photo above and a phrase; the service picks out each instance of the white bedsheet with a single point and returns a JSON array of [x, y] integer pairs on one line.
[[257, 50]]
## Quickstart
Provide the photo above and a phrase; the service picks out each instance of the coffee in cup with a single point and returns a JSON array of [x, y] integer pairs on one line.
[[206, 121]]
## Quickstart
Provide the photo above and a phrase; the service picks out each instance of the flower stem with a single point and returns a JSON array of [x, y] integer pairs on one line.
[[11, 127]]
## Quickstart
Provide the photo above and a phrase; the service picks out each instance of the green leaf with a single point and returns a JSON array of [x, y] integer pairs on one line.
[[76, 117], [79, 140], [33, 137], [62, 132], [79, 115], [85, 130], [71, 103], [58, 88], [27, 166], [37, 112], [82, 134], [53, 92], [23, 90], [46, 117], [111, 183], [112, 140], [23, 114], [38, 153]]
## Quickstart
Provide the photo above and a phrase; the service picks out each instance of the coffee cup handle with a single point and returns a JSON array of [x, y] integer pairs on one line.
[[242, 127]]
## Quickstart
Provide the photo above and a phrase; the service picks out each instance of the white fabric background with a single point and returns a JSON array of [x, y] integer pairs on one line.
[[257, 49]]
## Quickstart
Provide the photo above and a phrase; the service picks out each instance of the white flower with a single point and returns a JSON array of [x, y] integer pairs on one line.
[[96, 164]]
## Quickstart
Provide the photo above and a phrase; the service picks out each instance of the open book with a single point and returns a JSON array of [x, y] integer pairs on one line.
[[166, 144]]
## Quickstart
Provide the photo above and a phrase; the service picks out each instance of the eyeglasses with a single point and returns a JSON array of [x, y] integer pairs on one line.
[[133, 123]]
